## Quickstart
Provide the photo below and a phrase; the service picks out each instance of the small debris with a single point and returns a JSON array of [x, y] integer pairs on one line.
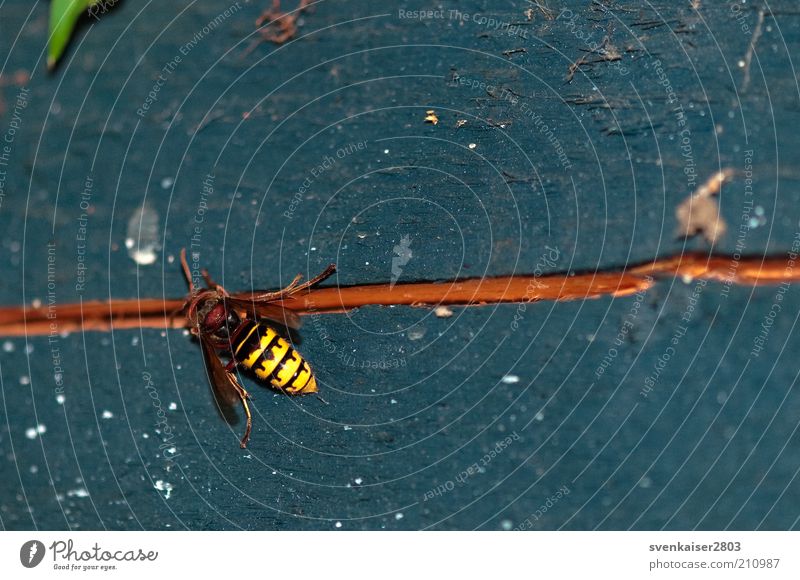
[[108, 415], [443, 312], [509, 53], [547, 12], [430, 117], [472, 145], [460, 123], [277, 26], [510, 379]]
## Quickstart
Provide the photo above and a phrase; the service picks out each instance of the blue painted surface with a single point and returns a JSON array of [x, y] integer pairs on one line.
[[432, 437]]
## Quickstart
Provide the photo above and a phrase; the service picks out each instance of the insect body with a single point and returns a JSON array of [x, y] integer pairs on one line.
[[261, 349], [236, 325]]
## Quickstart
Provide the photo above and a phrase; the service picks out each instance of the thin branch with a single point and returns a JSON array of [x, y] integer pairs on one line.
[[153, 313]]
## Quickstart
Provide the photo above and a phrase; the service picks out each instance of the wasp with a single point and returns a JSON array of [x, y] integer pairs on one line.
[[238, 326]]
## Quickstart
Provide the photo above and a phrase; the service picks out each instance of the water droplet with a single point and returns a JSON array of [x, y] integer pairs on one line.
[[143, 240]]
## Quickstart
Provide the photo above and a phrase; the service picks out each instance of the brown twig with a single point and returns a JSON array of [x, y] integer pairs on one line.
[[152, 313]]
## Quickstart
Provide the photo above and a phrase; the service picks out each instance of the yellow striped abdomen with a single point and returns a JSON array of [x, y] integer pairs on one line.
[[260, 349]]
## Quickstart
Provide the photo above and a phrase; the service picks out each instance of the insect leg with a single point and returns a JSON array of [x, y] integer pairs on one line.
[[244, 395], [326, 273], [207, 277], [186, 272], [295, 286]]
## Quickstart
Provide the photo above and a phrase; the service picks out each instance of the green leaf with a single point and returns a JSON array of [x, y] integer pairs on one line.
[[64, 15]]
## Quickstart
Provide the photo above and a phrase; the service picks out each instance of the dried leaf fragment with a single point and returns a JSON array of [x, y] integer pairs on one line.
[[699, 213]]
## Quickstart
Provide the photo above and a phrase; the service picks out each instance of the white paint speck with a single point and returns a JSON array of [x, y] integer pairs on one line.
[[32, 433], [338, 524], [539, 416], [472, 145], [167, 182], [24, 380], [507, 525], [108, 415], [348, 428], [60, 399], [358, 481], [416, 333], [173, 406], [8, 346], [164, 486], [80, 492], [510, 379], [398, 516]]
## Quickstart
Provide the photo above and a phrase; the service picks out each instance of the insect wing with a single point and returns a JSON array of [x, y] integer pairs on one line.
[[226, 388], [263, 309]]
